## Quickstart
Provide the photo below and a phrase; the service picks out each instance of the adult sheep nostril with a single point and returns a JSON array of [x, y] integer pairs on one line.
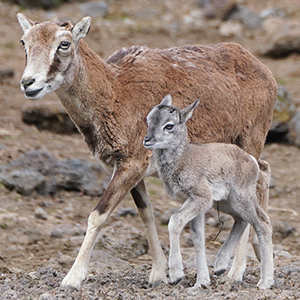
[[27, 83]]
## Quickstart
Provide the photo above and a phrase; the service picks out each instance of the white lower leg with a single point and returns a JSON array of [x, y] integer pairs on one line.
[[198, 236], [79, 269]]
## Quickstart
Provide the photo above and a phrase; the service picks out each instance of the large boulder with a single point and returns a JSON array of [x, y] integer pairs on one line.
[[38, 171], [283, 38]]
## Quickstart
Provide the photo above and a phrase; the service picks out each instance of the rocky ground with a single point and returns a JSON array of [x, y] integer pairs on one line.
[[41, 229]]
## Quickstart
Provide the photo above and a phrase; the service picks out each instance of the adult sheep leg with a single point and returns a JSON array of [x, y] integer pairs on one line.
[[123, 180], [158, 273]]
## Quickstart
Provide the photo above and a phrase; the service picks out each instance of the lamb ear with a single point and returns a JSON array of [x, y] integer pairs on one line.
[[24, 22], [167, 100], [187, 112], [81, 29]]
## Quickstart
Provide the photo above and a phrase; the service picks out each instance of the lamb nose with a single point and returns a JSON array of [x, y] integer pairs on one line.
[[146, 139], [27, 83]]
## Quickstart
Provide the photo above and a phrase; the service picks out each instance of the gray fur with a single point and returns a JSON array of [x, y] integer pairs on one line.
[[199, 175]]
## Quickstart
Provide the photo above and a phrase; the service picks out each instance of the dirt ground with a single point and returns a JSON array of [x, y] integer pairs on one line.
[[33, 262]]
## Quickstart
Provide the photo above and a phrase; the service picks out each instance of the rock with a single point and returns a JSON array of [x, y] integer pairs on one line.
[[284, 229], [231, 28], [93, 9], [282, 253], [6, 72], [10, 294], [38, 171], [66, 229], [102, 260], [125, 211], [39, 213], [46, 296], [165, 217], [283, 113], [219, 9], [122, 241], [66, 261], [294, 130], [23, 181], [283, 38], [46, 4], [247, 17], [272, 12], [33, 235], [50, 116]]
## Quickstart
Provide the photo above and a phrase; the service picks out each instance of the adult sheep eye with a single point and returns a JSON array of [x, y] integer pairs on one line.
[[64, 45], [169, 126]]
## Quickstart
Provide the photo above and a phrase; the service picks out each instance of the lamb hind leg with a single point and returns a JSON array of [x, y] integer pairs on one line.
[[262, 192], [158, 273], [263, 229], [122, 182]]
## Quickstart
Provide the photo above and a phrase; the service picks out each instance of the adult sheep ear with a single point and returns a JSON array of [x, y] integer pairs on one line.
[[167, 100], [24, 22], [187, 112], [81, 29]]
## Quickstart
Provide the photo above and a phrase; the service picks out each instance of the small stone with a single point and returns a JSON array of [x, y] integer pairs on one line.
[[39, 213], [94, 9], [66, 261], [125, 211], [294, 130], [46, 296], [6, 72]]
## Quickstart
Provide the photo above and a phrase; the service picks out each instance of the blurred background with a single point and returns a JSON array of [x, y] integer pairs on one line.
[[49, 182]]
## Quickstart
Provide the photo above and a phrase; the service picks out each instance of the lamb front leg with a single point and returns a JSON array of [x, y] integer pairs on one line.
[[189, 211], [198, 236]]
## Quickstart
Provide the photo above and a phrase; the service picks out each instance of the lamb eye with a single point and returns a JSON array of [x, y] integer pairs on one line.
[[64, 45], [22, 42], [169, 126]]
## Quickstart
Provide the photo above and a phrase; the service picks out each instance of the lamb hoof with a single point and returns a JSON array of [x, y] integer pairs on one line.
[[155, 283], [265, 284], [220, 272], [68, 288], [175, 282]]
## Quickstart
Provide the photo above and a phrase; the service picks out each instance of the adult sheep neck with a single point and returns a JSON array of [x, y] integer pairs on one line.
[[109, 101]]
